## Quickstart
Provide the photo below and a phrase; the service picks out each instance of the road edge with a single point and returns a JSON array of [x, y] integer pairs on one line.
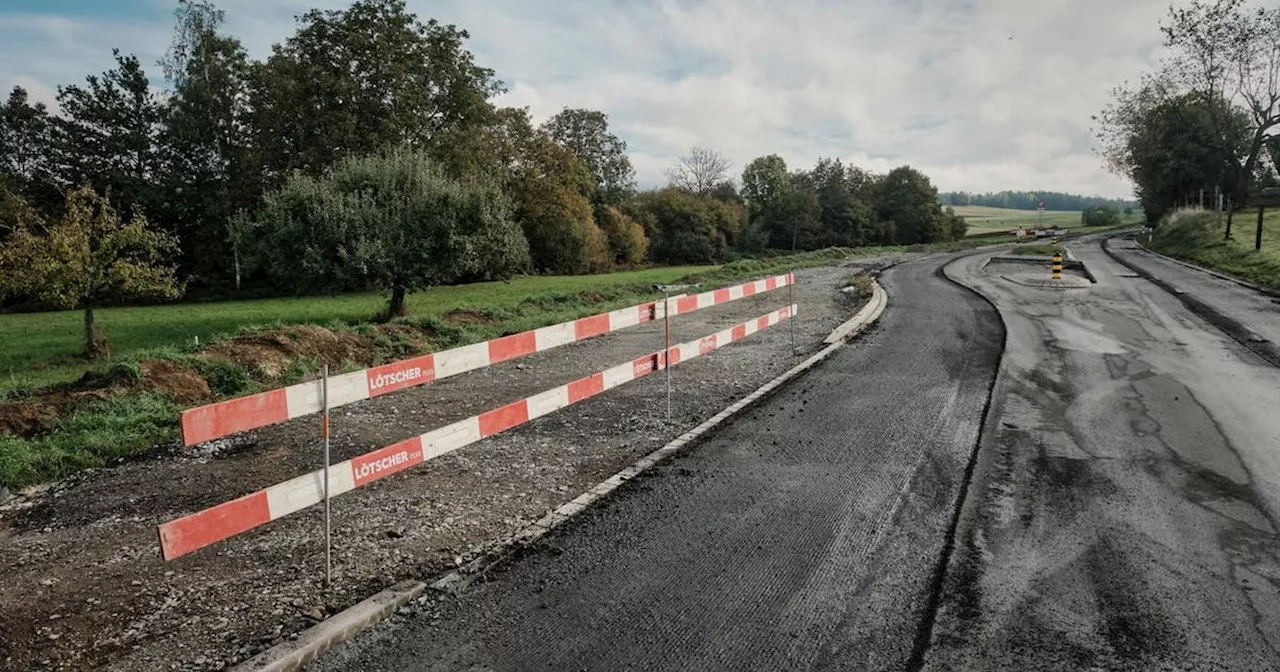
[[343, 626], [975, 469], [1233, 328]]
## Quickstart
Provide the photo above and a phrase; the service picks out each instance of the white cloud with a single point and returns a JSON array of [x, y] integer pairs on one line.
[[980, 94]]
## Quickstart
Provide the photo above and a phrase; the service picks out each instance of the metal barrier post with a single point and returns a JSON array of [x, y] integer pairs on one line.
[[1057, 266], [666, 350], [328, 540]]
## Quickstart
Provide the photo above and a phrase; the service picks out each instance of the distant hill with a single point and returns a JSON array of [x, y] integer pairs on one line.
[[1028, 200]]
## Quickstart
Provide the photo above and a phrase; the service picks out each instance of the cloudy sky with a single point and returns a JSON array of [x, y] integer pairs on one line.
[[980, 94]]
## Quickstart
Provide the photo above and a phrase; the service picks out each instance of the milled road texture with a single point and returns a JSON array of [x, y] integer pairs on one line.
[[1123, 514], [804, 535]]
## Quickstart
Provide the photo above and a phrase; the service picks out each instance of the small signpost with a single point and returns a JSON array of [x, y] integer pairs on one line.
[[1269, 197]]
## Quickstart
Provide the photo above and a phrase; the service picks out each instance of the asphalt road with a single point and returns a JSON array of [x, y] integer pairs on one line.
[[805, 535], [1124, 506]]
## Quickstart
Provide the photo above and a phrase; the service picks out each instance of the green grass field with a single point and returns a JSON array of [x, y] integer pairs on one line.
[[43, 348], [985, 221], [1198, 238]]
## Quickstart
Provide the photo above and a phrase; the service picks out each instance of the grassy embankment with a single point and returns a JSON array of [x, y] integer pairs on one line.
[[127, 414], [1198, 238]]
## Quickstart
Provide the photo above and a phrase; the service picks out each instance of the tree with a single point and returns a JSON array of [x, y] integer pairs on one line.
[[1159, 144], [586, 134], [628, 245], [1224, 56], [699, 171], [24, 139], [364, 79], [109, 135], [685, 228], [88, 258], [765, 182], [208, 171], [909, 200], [393, 221]]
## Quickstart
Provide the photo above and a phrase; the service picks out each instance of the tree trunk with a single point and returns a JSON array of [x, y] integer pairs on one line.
[[1257, 236], [90, 334], [1231, 213], [395, 307]]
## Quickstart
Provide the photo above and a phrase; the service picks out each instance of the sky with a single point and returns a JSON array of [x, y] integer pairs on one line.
[[981, 95]]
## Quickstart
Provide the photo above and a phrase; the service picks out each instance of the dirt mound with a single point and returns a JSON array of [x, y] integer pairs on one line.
[[27, 418], [268, 354], [176, 381], [468, 317]]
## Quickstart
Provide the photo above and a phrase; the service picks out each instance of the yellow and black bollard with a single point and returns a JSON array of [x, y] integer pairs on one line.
[[1057, 265]]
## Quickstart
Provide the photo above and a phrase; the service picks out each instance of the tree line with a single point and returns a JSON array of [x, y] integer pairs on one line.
[[1030, 200], [366, 151], [1205, 121]]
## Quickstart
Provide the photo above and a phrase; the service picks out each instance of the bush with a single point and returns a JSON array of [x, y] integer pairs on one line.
[[685, 228], [1103, 215], [628, 245]]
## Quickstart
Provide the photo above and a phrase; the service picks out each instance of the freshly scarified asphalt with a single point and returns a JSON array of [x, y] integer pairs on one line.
[[804, 535], [1123, 513]]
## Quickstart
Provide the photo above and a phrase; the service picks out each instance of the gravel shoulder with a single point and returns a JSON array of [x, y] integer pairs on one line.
[[82, 584]]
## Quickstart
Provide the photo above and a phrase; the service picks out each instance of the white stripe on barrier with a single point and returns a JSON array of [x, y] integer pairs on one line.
[[450, 437], [554, 336], [460, 360]]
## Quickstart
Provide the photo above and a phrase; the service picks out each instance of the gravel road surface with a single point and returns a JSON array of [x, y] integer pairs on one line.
[[1123, 512], [804, 535]]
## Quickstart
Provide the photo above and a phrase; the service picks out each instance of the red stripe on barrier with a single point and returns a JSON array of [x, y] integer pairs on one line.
[[762, 323], [184, 535], [739, 332], [237, 415], [673, 356], [686, 304], [383, 462], [722, 296], [591, 326], [784, 313], [644, 366], [707, 344], [501, 419], [397, 376], [586, 387], [771, 283], [749, 289], [511, 347], [648, 312]]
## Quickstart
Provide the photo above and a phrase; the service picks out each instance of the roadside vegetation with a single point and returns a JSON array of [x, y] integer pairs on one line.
[[1198, 237]]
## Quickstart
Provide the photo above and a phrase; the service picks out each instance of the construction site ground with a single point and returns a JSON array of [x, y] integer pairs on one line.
[[82, 584]]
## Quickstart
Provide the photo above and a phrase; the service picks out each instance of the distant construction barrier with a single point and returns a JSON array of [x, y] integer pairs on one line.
[[225, 418], [198, 530]]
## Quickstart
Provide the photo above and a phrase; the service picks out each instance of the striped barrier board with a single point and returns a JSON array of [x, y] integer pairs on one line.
[[225, 418], [203, 528]]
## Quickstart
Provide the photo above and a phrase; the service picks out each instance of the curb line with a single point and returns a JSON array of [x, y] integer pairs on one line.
[[314, 641], [1240, 333], [320, 638], [967, 501]]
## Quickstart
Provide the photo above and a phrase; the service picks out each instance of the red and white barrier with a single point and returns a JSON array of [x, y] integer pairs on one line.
[[200, 529], [225, 418]]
